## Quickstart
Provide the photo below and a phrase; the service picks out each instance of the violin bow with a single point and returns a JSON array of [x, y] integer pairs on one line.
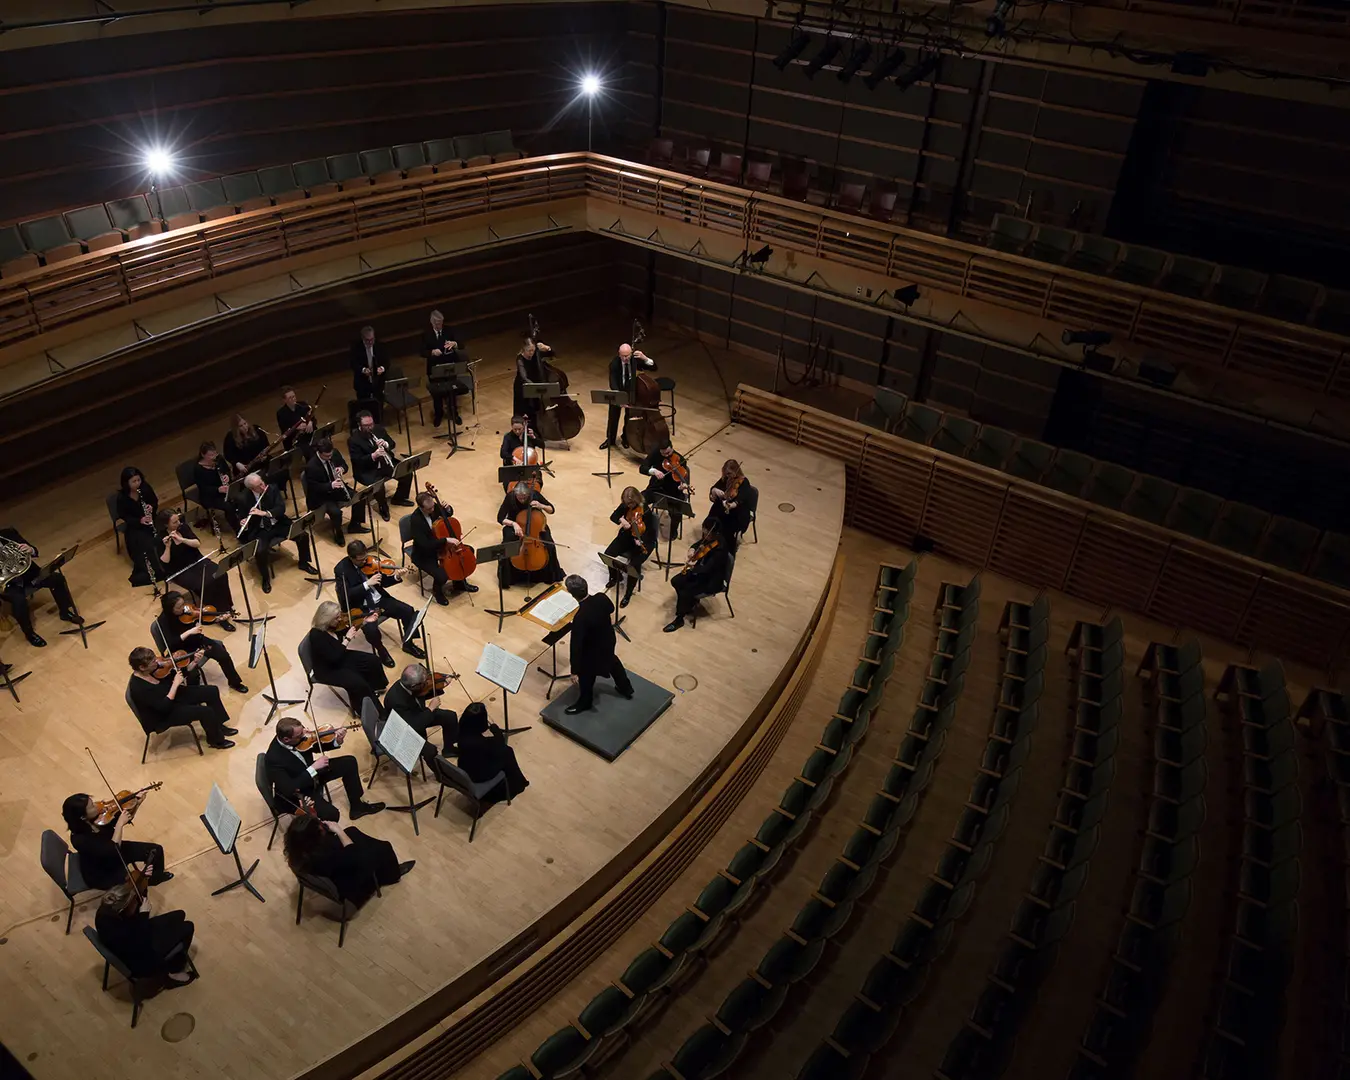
[[140, 896]]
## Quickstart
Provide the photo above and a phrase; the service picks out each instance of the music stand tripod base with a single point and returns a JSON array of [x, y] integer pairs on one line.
[[244, 875], [614, 399]]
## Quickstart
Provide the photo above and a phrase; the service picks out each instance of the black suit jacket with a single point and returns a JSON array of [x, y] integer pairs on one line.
[[371, 386], [274, 502], [27, 577], [425, 546], [368, 470], [616, 380], [289, 775], [432, 340], [318, 484], [413, 709], [593, 636]]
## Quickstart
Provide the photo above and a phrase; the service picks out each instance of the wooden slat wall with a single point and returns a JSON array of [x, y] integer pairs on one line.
[[989, 520]]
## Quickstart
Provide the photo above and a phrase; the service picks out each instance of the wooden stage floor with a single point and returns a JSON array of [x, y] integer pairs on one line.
[[274, 997]]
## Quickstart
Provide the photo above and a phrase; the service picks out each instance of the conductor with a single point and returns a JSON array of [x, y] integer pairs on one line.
[[593, 653]]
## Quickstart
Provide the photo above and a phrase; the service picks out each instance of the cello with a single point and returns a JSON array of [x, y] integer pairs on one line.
[[533, 553], [560, 417], [458, 562]]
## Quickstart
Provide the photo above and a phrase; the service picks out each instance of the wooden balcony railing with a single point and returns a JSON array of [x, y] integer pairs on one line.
[[1202, 333], [989, 520]]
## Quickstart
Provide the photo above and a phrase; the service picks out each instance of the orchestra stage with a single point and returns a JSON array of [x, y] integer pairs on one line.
[[274, 997]]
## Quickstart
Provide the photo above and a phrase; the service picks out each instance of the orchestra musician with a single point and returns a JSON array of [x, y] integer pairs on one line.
[[136, 506], [413, 697], [245, 446], [295, 420], [17, 590], [518, 499], [325, 479], [660, 466], [370, 367], [213, 485], [370, 592], [727, 497], [531, 367], [335, 664], [484, 752], [266, 522], [104, 854], [593, 654], [622, 370], [301, 774], [426, 549], [636, 537], [354, 862], [443, 345], [373, 458], [704, 573], [514, 439], [171, 702], [179, 549], [150, 946], [192, 637]]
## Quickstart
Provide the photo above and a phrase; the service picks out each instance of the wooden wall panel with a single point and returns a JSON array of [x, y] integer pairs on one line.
[[1035, 540], [1195, 590], [962, 514], [891, 495]]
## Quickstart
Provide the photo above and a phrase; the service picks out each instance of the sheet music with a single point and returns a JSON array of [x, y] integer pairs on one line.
[[553, 608], [257, 643], [401, 742], [505, 669], [221, 819]]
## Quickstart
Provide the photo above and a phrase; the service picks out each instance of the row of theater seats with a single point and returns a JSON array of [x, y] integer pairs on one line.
[[43, 241], [1239, 527], [1248, 1009], [1134, 980], [1289, 299], [607, 1022]]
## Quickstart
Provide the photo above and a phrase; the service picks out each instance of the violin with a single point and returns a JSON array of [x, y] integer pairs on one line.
[[349, 618], [674, 467], [375, 566], [729, 492], [435, 685], [636, 525], [192, 614], [125, 802], [701, 550], [458, 561], [180, 660], [324, 737]]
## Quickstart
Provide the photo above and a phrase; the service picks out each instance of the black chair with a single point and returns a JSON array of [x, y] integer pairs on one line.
[[724, 591], [666, 385], [137, 984], [401, 398], [63, 867], [452, 776], [404, 539], [119, 527], [158, 729], [269, 795], [751, 500], [325, 888], [307, 663]]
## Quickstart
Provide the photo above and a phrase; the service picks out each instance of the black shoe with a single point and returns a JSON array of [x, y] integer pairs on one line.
[[436, 420], [228, 626], [385, 513], [4, 669], [230, 730], [606, 445], [224, 744], [238, 687], [387, 660], [160, 879], [414, 650], [309, 568], [36, 641], [626, 695], [364, 808], [340, 540], [458, 419], [626, 598], [673, 625], [441, 599], [404, 867], [174, 984], [358, 530], [572, 710], [467, 587], [402, 502], [72, 617], [267, 584], [623, 441]]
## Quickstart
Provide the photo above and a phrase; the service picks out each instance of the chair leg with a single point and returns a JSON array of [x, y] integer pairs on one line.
[[342, 930], [135, 1003], [276, 821], [473, 825], [145, 751], [731, 609], [374, 770], [299, 903], [70, 917], [105, 974], [197, 740], [440, 795]]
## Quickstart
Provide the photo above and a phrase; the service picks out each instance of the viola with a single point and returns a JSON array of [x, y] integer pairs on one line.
[[178, 661], [636, 525], [324, 737], [460, 561], [126, 802], [192, 614], [674, 467]]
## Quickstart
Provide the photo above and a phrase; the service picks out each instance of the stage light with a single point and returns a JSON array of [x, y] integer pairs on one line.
[[158, 161], [794, 49], [884, 70], [590, 85], [856, 59], [925, 67], [1090, 339], [828, 52], [995, 25], [760, 257], [906, 295]]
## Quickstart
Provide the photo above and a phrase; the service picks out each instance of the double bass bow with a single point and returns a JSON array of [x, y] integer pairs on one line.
[[458, 560]]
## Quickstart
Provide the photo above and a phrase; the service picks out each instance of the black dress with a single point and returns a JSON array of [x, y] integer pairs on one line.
[[183, 556], [143, 942], [356, 867], [535, 373], [483, 755], [737, 520], [140, 537], [627, 545], [360, 674], [101, 866], [551, 571], [209, 482]]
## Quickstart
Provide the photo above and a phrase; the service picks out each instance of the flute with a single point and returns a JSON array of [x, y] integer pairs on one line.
[[248, 518]]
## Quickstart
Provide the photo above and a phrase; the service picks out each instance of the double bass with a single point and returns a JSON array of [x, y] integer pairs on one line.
[[560, 417], [457, 562], [645, 428]]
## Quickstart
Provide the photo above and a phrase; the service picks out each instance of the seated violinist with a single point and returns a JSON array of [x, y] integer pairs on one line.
[[670, 477], [181, 560], [514, 440], [415, 699], [524, 516], [163, 703], [636, 537], [484, 752], [104, 855], [427, 546], [704, 573], [363, 581], [336, 663], [727, 497], [190, 636], [151, 946], [327, 483], [298, 774]]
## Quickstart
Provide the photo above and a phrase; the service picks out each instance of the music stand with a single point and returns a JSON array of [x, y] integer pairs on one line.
[[287, 462], [442, 379], [11, 681], [610, 399], [410, 465], [515, 474], [506, 670], [309, 517], [403, 383], [235, 561], [671, 506], [557, 630], [537, 391], [626, 570], [257, 650], [371, 495], [222, 822], [324, 431], [402, 745], [494, 553], [83, 629]]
